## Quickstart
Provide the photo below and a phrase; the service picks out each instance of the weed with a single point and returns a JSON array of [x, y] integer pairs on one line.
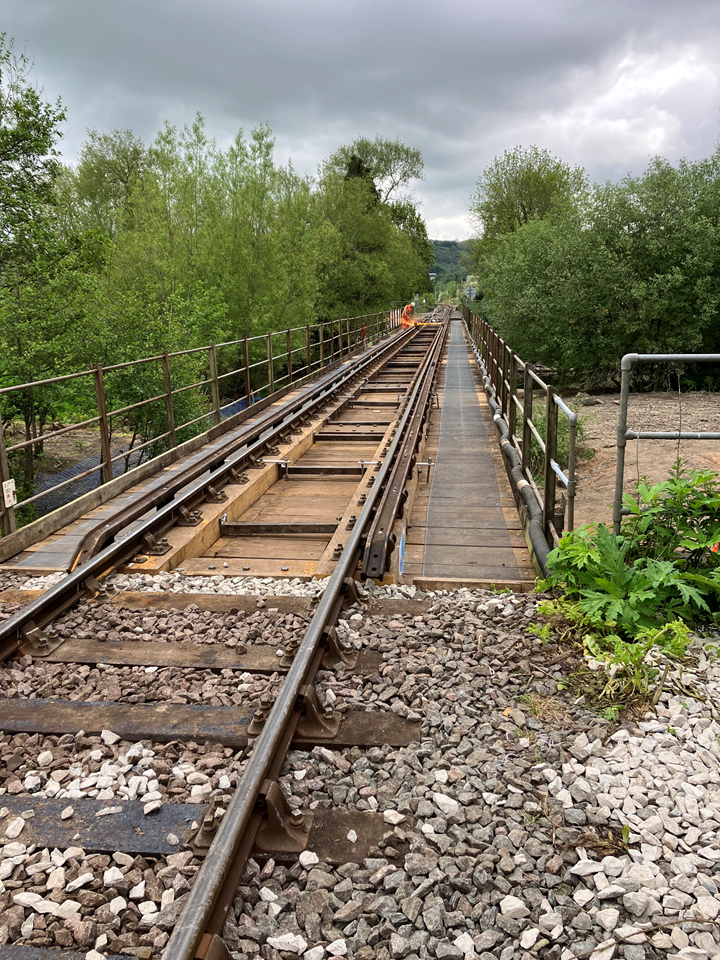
[[611, 713], [541, 631]]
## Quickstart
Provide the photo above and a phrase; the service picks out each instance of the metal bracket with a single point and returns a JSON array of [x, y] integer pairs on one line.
[[335, 651], [215, 496], [94, 589], [211, 947], [259, 717], [254, 464], [284, 829], [317, 722], [38, 643], [188, 518], [236, 477], [153, 547], [200, 843], [349, 592]]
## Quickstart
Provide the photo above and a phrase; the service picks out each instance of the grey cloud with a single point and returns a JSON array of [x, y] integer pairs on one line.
[[463, 80]]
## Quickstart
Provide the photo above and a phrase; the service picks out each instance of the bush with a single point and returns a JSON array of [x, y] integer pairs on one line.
[[636, 595]]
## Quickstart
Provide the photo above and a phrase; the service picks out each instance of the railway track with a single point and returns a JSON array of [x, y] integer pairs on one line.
[[140, 777]]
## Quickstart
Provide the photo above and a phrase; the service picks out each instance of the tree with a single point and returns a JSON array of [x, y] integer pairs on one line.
[[391, 164], [96, 195], [520, 186]]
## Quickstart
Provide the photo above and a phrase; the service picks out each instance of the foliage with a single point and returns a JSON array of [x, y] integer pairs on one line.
[[522, 185], [637, 594], [389, 163], [626, 267], [453, 260]]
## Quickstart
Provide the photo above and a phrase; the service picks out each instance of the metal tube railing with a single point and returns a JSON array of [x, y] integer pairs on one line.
[[623, 434]]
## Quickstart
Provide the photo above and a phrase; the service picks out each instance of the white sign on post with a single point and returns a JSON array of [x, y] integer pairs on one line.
[[9, 493]]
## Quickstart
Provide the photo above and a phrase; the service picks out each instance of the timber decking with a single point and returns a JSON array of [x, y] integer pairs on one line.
[[464, 527]]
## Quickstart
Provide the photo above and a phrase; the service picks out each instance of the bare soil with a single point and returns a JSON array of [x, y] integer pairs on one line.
[[68, 449], [644, 458]]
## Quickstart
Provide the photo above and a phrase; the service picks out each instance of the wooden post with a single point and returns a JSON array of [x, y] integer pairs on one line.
[[214, 384], [551, 418], [7, 517], [107, 470], [246, 362], [289, 356], [308, 355], [169, 411], [271, 371]]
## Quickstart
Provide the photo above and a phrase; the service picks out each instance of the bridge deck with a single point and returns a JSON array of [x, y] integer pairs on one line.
[[464, 526]]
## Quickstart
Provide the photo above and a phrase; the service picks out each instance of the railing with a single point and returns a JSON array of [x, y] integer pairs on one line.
[[506, 371], [179, 390], [623, 434]]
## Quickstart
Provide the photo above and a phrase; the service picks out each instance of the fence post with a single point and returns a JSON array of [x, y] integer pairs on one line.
[[214, 384], [308, 356], [289, 355], [512, 410], [271, 371], [551, 415], [321, 335], [349, 338], [504, 380], [340, 338], [246, 362], [7, 517], [168, 398], [107, 470], [527, 417]]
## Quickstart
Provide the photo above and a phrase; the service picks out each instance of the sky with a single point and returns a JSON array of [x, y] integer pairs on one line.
[[605, 85]]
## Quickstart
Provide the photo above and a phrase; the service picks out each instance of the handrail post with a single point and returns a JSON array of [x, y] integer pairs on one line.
[[214, 384], [271, 371], [340, 338], [107, 470], [349, 338], [289, 355], [321, 336], [308, 356], [512, 409], [246, 362], [551, 415], [169, 410], [7, 517], [528, 387]]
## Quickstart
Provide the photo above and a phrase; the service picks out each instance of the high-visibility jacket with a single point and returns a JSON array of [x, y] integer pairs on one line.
[[407, 319]]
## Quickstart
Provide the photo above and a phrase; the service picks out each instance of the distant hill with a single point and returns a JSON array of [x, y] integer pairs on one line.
[[453, 260]]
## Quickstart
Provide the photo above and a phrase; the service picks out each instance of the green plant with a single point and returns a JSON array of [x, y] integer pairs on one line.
[[611, 713], [677, 519], [632, 668], [540, 631]]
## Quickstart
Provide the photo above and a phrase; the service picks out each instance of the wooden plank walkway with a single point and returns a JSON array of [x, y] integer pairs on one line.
[[464, 528]]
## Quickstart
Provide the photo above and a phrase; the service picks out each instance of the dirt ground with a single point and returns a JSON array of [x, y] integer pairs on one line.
[[645, 458]]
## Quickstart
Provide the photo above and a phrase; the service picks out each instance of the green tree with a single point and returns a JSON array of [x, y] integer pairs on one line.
[[391, 164], [522, 185]]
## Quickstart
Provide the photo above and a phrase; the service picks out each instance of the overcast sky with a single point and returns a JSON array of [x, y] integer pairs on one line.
[[606, 84]]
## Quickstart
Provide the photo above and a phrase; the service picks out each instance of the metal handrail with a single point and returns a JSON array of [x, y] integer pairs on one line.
[[322, 346], [504, 368]]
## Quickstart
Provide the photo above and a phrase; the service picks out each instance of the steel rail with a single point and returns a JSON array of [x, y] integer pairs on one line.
[[380, 542], [62, 595], [274, 421], [208, 884]]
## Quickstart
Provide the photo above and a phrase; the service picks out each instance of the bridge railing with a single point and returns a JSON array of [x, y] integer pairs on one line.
[[516, 387], [122, 415]]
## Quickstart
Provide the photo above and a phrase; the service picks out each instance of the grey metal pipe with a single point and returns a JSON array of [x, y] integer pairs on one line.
[[208, 883]]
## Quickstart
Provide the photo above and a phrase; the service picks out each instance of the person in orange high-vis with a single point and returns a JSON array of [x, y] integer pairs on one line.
[[407, 319]]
